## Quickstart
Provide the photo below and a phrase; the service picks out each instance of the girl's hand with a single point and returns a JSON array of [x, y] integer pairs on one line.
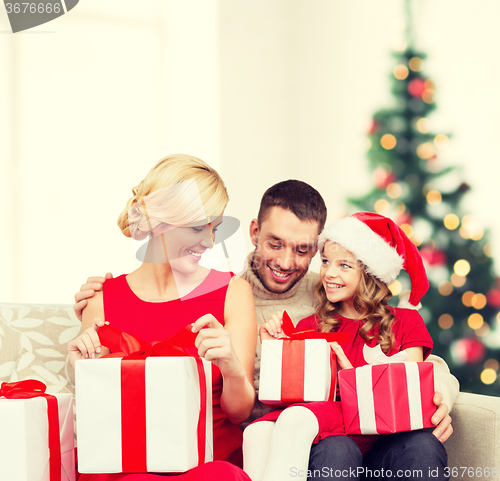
[[214, 344], [272, 328], [344, 363], [87, 345]]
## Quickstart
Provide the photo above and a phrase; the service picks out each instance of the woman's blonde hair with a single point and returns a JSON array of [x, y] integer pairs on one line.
[[370, 300], [179, 190]]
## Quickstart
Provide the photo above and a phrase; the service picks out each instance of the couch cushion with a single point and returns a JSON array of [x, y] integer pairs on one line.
[[33, 341]]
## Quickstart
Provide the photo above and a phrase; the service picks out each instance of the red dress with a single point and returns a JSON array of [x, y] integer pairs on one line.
[[154, 321], [409, 331]]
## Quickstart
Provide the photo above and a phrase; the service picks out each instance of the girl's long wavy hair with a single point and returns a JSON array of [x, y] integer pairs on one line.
[[370, 300]]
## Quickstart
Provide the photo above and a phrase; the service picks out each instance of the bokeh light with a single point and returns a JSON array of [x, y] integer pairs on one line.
[[428, 96], [395, 288], [441, 141], [416, 64], [388, 141], [401, 71], [461, 267], [394, 190], [445, 321], [426, 151], [423, 125], [467, 298], [457, 280], [433, 197], [407, 229], [445, 288], [475, 321], [451, 221], [488, 376], [491, 364], [483, 330], [478, 301], [382, 206]]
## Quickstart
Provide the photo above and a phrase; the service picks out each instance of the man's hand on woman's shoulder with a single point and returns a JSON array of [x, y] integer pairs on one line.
[[87, 291]]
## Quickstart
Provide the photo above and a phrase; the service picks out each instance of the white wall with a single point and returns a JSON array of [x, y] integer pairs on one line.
[[262, 90]]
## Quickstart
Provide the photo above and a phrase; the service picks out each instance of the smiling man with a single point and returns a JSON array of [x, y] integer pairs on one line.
[[291, 216]]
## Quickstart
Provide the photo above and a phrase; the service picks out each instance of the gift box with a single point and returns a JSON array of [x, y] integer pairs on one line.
[[387, 398], [294, 371], [143, 415], [37, 438]]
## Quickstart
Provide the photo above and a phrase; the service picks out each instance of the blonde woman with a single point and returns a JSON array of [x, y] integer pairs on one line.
[[177, 209]]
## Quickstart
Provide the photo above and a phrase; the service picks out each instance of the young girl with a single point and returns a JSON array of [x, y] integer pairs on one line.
[[361, 256]]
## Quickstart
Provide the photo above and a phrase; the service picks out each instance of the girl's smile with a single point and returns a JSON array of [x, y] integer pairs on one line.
[[340, 273]]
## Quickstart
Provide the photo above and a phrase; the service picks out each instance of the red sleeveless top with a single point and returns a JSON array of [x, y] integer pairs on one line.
[[154, 321]]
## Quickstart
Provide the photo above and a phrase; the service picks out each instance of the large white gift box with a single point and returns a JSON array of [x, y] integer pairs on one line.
[[296, 371], [164, 423], [24, 439]]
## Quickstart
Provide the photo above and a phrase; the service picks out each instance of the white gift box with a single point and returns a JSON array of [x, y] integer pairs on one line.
[[172, 404], [306, 373], [24, 446]]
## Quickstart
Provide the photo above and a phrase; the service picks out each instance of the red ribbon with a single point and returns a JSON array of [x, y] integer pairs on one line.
[[293, 361], [134, 351], [293, 333], [31, 388]]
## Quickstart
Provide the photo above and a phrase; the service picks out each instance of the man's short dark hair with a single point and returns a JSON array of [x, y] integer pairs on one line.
[[297, 197]]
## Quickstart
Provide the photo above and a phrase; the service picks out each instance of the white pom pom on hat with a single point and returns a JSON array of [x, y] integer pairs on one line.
[[384, 249]]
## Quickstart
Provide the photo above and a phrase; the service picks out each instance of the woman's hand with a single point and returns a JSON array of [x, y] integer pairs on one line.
[[343, 362], [214, 344], [272, 328], [87, 345]]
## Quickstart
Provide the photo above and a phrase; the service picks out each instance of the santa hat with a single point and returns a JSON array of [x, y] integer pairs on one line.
[[383, 248]]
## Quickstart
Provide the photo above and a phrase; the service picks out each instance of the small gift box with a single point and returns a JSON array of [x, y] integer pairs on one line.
[[387, 398], [144, 412], [37, 434], [296, 371], [302, 368]]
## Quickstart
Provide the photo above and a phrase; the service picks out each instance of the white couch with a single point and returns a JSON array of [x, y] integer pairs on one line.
[[33, 342]]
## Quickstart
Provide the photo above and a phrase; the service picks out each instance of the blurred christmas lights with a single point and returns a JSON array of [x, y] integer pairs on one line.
[[395, 288], [461, 267], [401, 71], [445, 321], [388, 141], [451, 221], [475, 321]]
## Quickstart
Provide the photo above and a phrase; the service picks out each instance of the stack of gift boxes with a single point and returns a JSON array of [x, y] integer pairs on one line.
[[382, 398], [146, 409], [149, 409]]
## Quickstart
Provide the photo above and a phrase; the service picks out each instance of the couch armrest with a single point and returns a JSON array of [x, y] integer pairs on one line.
[[475, 442]]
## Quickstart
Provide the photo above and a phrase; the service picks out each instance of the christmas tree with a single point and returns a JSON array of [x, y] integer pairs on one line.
[[424, 197]]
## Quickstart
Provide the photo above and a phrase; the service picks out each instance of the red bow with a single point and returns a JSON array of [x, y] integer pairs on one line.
[[130, 347], [293, 333], [292, 373], [31, 388], [134, 351]]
